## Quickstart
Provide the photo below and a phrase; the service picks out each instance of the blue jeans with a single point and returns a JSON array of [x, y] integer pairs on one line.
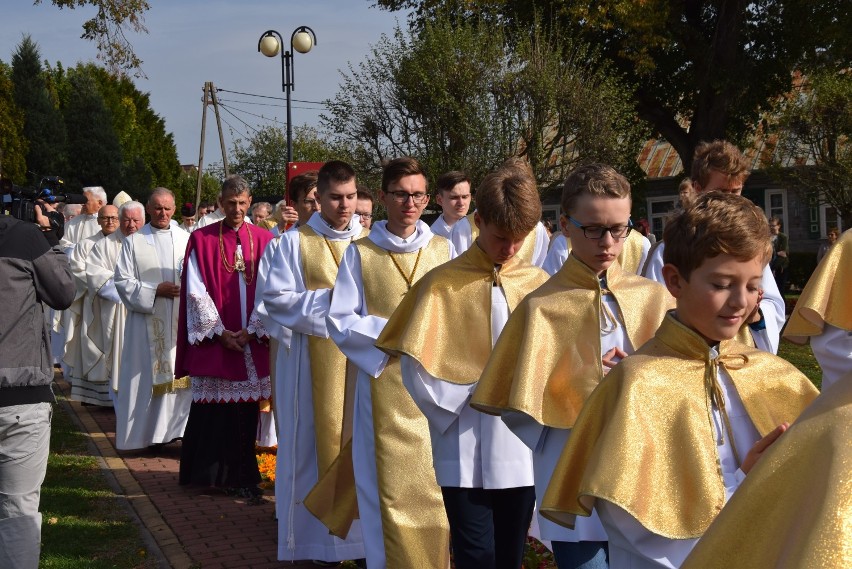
[[24, 446], [581, 555]]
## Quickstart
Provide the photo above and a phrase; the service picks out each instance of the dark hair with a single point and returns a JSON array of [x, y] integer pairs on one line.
[[399, 168], [335, 171], [301, 185], [364, 194], [449, 180], [716, 223]]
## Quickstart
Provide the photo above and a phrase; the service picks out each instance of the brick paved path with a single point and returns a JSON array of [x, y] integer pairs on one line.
[[193, 527]]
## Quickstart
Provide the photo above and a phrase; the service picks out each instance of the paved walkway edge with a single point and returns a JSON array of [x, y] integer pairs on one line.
[[165, 540]]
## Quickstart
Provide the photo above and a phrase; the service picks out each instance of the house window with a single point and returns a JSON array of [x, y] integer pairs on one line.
[[829, 217], [775, 205], [658, 211], [551, 213]]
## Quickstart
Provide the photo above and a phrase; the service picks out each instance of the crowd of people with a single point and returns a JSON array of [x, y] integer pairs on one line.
[[460, 386]]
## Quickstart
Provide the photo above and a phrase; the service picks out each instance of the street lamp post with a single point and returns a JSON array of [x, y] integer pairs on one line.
[[270, 44]]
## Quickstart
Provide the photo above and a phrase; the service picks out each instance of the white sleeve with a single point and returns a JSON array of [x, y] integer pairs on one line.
[[109, 293], [833, 351], [654, 265], [352, 329], [631, 545], [440, 401], [542, 240], [137, 296], [285, 297], [774, 313], [556, 256], [202, 317], [461, 236], [646, 248]]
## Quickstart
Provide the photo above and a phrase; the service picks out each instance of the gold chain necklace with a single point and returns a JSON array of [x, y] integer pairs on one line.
[[408, 278], [239, 261]]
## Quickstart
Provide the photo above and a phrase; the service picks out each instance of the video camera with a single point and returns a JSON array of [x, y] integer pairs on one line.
[[23, 200]]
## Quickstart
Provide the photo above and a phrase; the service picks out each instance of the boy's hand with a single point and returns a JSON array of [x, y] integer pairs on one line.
[[611, 358], [760, 447]]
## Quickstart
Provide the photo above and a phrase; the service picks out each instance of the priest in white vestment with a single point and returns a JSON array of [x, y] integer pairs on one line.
[[151, 407], [310, 371], [106, 329], [87, 369]]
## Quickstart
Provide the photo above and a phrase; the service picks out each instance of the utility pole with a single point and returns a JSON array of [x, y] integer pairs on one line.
[[209, 98]]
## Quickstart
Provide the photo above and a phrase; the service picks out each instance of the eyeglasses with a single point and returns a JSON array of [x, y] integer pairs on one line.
[[109, 218], [402, 197], [364, 215], [598, 231]]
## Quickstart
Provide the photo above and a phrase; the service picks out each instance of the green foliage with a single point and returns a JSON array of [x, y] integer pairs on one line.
[[85, 525], [458, 94], [185, 187], [262, 160], [814, 130], [13, 145], [702, 70], [94, 153], [108, 30], [44, 128]]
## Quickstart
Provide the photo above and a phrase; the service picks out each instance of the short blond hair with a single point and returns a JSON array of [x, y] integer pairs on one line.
[[508, 199], [716, 223], [596, 180], [718, 156]]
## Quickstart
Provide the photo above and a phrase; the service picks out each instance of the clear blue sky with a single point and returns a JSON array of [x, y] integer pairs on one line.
[[193, 41]]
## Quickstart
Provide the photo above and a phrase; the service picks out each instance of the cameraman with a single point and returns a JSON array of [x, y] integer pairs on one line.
[[33, 270]]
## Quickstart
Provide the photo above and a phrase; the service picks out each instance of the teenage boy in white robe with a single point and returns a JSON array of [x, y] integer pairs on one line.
[[452, 193], [400, 506], [309, 399], [484, 470]]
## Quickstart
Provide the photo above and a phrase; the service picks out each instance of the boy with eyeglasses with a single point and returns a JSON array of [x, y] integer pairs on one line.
[[364, 208], [402, 515], [564, 336], [670, 433]]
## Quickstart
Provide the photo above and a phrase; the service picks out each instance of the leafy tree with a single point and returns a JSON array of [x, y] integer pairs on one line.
[[457, 96], [44, 128], [94, 151], [13, 145], [262, 160], [814, 130], [702, 69], [108, 30], [185, 186]]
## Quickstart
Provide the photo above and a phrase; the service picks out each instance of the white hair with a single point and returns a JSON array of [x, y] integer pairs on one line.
[[131, 206], [96, 191]]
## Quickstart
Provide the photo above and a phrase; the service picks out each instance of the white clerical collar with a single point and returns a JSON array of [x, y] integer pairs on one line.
[[321, 226], [380, 235]]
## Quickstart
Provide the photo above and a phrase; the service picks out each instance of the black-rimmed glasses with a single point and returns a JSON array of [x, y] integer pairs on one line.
[[598, 231]]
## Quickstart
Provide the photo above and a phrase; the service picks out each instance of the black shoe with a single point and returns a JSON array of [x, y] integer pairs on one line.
[[319, 563]]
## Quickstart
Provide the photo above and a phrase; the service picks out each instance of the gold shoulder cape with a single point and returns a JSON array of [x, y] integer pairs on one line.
[[525, 252], [794, 509], [631, 253], [827, 298], [645, 439], [456, 295], [548, 358]]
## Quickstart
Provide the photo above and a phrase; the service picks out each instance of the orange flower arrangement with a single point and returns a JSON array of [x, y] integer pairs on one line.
[[266, 457]]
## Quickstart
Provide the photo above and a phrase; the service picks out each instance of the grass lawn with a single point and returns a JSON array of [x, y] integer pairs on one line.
[[85, 524], [803, 358]]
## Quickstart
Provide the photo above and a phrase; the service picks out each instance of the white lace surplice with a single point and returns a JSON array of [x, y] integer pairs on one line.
[[203, 322]]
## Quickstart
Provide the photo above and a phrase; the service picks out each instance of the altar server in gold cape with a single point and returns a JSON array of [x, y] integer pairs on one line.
[[551, 353], [485, 472], [402, 515], [794, 509], [720, 166], [310, 370], [534, 248], [669, 434], [823, 312], [632, 258]]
